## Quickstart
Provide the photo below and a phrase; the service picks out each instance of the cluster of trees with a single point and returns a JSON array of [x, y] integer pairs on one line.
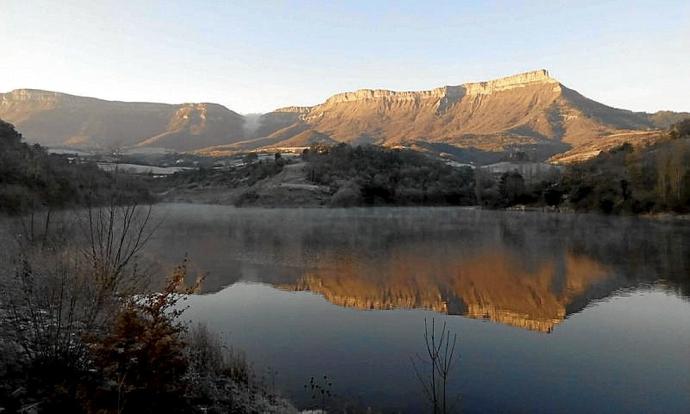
[[371, 175], [31, 179], [82, 332]]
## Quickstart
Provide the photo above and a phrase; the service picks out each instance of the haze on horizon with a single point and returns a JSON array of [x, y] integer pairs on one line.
[[259, 56]]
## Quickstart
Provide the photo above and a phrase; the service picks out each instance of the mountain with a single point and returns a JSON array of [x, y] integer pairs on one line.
[[58, 119], [530, 110]]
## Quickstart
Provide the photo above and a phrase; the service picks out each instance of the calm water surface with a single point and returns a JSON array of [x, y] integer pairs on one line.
[[554, 313]]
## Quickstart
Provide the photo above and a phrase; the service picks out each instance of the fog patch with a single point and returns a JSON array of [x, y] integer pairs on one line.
[[251, 124]]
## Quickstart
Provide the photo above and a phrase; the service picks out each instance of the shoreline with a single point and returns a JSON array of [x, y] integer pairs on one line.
[[660, 217]]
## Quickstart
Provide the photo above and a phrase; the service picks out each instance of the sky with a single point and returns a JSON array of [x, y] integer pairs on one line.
[[255, 56]]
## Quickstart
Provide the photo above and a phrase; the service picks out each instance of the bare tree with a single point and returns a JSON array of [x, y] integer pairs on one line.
[[115, 236], [434, 368]]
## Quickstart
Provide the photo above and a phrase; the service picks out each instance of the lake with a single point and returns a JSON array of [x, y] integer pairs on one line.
[[553, 312]]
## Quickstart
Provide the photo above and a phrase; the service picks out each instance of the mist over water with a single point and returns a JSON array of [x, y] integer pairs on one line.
[[381, 244], [554, 313]]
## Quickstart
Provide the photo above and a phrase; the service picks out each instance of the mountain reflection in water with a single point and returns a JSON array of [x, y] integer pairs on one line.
[[497, 285], [525, 270]]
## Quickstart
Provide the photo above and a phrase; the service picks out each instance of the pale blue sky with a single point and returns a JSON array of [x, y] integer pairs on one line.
[[255, 56]]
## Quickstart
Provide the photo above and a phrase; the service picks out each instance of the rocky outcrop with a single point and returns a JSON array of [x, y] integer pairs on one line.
[[451, 92], [511, 82], [294, 109]]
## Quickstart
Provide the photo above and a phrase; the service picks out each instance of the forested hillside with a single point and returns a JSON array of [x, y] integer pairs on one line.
[[629, 180], [32, 179], [623, 180]]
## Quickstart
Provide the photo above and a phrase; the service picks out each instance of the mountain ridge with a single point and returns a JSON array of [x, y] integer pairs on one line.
[[60, 119], [529, 111]]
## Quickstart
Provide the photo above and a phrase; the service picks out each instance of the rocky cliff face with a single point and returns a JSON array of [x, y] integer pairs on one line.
[[446, 92], [528, 110], [530, 105], [52, 118]]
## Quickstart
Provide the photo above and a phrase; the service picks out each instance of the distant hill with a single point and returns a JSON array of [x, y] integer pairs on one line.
[[57, 119], [589, 150], [530, 112]]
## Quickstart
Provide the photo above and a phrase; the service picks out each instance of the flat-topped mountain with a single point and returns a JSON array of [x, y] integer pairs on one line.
[[57, 119], [530, 111]]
